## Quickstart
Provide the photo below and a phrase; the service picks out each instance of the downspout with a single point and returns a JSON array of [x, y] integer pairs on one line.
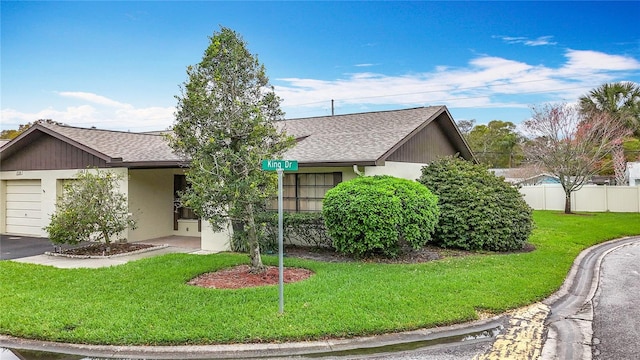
[[355, 170]]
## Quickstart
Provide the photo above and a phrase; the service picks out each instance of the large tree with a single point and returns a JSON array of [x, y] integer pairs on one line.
[[621, 101], [225, 126], [571, 144], [496, 144]]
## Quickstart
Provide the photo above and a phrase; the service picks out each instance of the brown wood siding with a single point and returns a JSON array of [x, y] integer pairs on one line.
[[48, 153], [426, 146]]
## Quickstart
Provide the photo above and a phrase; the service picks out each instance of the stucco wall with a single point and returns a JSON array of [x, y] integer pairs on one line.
[[51, 184], [411, 171], [151, 203]]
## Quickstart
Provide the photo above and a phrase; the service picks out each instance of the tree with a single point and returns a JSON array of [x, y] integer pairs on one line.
[[90, 208], [225, 126], [621, 101], [496, 144], [570, 144], [465, 126]]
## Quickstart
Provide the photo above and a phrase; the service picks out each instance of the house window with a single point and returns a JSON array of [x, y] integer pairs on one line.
[[180, 184], [304, 192]]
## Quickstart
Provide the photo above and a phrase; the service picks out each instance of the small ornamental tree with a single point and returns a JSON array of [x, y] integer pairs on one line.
[[90, 208], [478, 211], [571, 144], [370, 215]]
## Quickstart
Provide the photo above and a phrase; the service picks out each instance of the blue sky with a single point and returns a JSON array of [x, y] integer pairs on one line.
[[118, 65]]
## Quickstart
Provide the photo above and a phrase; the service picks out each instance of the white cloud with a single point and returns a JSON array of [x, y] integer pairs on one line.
[[94, 98], [486, 81], [598, 61], [539, 41], [105, 113]]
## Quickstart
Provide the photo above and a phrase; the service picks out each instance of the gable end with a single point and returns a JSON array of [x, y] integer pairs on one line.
[[428, 145], [49, 153]]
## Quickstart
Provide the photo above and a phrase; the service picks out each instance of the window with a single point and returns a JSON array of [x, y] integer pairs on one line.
[[179, 212], [304, 192]]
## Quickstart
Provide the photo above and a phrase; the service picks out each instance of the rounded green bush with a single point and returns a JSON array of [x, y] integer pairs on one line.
[[375, 215], [479, 211]]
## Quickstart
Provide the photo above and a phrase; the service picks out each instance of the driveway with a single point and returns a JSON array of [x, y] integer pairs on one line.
[[15, 247]]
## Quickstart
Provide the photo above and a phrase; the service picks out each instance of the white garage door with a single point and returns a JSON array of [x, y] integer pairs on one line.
[[23, 207]]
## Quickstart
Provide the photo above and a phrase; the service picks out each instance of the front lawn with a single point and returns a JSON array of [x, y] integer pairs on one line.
[[148, 302]]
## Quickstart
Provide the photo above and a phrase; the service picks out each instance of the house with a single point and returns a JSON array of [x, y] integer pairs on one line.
[[526, 176], [633, 173], [329, 149]]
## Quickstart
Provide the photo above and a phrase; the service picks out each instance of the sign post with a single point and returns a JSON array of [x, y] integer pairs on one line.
[[280, 166]]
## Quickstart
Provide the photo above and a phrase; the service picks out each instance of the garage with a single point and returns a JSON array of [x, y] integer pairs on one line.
[[23, 207]]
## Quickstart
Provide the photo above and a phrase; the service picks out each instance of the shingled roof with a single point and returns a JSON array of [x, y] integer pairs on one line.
[[364, 138], [341, 140], [123, 148]]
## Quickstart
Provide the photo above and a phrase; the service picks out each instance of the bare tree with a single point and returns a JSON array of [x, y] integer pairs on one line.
[[571, 144]]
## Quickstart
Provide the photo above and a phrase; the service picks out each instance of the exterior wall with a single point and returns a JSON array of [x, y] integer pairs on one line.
[[411, 171], [215, 241], [51, 182], [633, 169], [589, 198], [428, 145]]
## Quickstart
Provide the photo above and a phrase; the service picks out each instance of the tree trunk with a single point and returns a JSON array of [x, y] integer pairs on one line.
[[252, 241], [619, 165], [567, 203]]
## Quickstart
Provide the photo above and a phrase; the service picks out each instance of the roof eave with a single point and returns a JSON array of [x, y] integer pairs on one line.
[[149, 164]]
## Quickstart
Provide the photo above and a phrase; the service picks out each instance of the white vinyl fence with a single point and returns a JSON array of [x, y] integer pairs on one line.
[[589, 198]]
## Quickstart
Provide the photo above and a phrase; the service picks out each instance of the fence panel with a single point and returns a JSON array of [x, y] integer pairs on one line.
[[589, 198]]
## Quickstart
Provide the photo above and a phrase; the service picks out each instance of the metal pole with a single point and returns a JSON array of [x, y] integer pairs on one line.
[[280, 241]]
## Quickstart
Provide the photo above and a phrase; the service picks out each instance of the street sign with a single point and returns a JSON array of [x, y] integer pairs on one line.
[[280, 166], [285, 165]]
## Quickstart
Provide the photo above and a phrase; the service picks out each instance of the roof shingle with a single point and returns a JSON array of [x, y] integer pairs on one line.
[[362, 137]]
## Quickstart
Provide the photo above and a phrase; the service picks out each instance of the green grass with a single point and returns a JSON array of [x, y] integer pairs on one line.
[[148, 301]]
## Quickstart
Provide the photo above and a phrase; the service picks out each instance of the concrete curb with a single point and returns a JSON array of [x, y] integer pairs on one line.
[[473, 332]]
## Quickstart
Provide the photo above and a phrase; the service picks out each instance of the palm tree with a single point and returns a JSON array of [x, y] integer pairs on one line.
[[621, 101]]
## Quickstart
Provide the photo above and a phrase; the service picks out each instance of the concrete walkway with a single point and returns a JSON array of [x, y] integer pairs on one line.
[[166, 245]]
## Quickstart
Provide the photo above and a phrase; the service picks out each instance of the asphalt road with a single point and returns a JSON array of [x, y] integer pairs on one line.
[[616, 322], [15, 247]]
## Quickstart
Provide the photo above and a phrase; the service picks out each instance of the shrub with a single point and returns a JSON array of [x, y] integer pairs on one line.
[[369, 215], [479, 211], [90, 208], [299, 228]]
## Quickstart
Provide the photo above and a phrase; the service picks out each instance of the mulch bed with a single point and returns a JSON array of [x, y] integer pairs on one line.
[[101, 249], [240, 277]]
